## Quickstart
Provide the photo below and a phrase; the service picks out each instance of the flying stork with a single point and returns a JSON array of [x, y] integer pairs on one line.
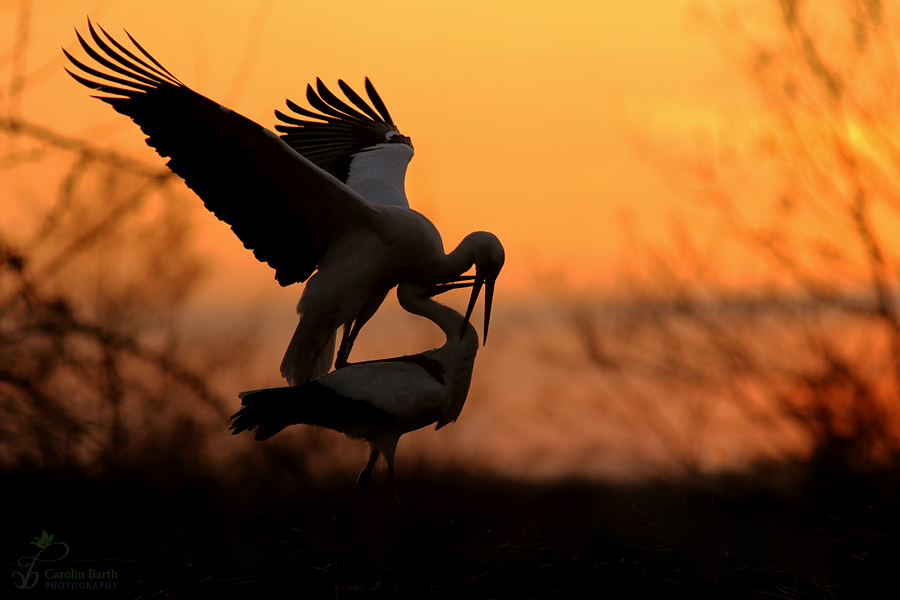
[[340, 212], [376, 401]]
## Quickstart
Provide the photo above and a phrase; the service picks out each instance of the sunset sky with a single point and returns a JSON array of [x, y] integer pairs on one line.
[[556, 126], [524, 115]]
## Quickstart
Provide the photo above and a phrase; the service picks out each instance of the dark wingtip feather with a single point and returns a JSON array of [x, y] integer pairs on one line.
[[307, 113], [147, 54], [102, 87], [377, 102], [358, 101], [337, 103], [320, 104], [133, 66]]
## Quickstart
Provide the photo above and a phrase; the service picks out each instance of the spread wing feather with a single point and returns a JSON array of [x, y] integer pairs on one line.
[[376, 100], [339, 130], [281, 206], [337, 103], [357, 100]]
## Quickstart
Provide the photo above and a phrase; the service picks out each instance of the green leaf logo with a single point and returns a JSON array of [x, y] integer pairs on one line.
[[43, 541]]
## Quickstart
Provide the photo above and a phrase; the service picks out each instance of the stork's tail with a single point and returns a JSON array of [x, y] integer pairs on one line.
[[304, 361], [266, 411], [270, 410], [326, 358]]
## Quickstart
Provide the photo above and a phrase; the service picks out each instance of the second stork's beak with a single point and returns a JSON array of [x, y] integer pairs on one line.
[[488, 300]]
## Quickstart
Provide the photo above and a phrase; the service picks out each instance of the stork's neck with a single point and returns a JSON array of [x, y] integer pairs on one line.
[[444, 317], [460, 259], [457, 355]]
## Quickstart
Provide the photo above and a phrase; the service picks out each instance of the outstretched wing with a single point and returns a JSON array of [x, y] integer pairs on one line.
[[358, 144], [281, 206]]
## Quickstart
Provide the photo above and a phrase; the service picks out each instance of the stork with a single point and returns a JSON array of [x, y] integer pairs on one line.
[[294, 215], [376, 401]]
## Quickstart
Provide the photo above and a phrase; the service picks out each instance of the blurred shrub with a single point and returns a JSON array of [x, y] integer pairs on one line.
[[91, 280], [806, 341]]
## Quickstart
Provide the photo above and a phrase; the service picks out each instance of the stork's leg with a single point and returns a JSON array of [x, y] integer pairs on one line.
[[365, 476], [347, 340], [307, 344], [367, 312], [433, 367], [393, 498], [346, 346]]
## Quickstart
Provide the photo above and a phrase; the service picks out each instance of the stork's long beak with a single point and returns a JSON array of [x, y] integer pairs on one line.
[[488, 299], [439, 288], [475, 282], [476, 289]]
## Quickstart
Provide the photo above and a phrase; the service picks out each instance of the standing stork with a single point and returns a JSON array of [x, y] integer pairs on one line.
[[294, 215], [376, 401]]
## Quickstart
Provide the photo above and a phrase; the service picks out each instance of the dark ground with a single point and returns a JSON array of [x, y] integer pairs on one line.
[[169, 535]]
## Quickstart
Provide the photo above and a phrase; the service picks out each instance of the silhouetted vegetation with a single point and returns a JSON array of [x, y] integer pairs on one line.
[[805, 345], [96, 261], [460, 536]]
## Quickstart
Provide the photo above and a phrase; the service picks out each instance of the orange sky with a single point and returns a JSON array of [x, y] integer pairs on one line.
[[524, 116], [521, 112]]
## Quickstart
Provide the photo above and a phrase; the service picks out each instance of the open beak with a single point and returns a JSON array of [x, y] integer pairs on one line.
[[488, 300], [475, 282], [476, 289], [439, 288]]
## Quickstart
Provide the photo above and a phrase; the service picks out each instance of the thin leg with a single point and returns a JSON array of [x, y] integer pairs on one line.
[[357, 326], [365, 476], [392, 489], [433, 367], [368, 310], [344, 351]]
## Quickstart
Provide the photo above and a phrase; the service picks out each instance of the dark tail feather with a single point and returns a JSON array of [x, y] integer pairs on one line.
[[267, 411], [270, 410]]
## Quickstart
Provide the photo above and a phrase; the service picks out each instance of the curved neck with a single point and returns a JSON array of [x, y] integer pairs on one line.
[[459, 260], [444, 317]]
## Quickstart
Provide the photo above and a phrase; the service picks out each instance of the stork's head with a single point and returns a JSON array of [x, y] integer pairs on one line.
[[489, 256]]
